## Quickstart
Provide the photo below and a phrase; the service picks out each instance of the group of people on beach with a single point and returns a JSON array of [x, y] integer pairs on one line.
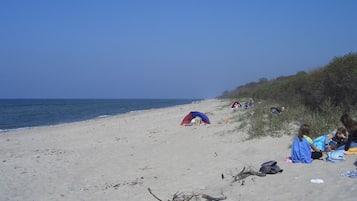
[[305, 150], [236, 104]]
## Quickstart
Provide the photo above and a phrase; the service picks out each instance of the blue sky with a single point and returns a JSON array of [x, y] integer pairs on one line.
[[164, 48]]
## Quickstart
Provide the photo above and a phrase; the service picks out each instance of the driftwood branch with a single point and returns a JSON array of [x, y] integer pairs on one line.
[[153, 194], [210, 198], [188, 197], [246, 173]]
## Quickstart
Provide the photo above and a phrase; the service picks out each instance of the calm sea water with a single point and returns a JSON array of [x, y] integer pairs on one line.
[[24, 113]]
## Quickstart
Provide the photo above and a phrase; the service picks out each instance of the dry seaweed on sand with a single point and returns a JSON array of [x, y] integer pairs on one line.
[[189, 196], [246, 173]]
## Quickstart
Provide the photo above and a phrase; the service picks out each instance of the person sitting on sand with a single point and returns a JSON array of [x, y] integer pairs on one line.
[[236, 105], [196, 121], [331, 141], [336, 140], [351, 126], [303, 149], [277, 110]]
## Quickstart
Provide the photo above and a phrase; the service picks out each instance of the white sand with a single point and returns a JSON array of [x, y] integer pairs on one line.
[[119, 158]]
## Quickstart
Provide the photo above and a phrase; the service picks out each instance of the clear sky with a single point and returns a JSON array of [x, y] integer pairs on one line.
[[164, 48]]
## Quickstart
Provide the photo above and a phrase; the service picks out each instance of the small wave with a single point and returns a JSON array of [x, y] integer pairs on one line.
[[13, 129], [103, 116]]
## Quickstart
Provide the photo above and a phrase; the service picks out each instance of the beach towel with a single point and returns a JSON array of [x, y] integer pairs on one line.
[[320, 142], [301, 151], [351, 151], [336, 156]]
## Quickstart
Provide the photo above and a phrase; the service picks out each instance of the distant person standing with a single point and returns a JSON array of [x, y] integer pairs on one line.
[[251, 102]]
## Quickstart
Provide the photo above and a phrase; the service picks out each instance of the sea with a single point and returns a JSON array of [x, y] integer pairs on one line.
[[27, 113]]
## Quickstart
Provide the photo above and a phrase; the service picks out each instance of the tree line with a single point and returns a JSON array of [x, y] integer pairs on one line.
[[335, 83]]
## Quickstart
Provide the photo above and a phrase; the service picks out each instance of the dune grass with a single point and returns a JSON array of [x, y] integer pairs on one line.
[[260, 122]]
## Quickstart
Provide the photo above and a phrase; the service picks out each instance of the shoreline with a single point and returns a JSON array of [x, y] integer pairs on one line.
[[120, 157], [94, 118]]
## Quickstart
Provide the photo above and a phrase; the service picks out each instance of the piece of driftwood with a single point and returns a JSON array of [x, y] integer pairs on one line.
[[154, 195], [246, 173], [189, 196], [210, 198]]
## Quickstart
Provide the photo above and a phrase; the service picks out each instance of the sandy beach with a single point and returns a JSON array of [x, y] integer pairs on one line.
[[118, 158]]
